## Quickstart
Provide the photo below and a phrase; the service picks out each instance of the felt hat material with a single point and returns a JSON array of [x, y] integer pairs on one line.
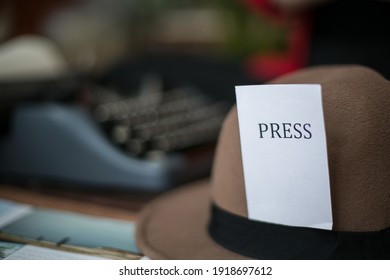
[[356, 102]]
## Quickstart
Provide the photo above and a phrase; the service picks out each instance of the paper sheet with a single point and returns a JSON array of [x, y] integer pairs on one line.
[[11, 212], [30, 252], [284, 154]]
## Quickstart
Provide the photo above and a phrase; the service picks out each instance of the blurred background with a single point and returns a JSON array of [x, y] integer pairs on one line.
[[95, 35], [130, 95]]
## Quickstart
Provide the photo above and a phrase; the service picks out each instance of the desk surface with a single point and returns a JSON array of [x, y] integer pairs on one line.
[[102, 204], [97, 203]]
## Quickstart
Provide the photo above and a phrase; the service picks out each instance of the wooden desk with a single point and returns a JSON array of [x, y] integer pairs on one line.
[[123, 206], [119, 205]]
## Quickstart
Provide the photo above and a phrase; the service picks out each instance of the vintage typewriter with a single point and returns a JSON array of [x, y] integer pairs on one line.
[[68, 132]]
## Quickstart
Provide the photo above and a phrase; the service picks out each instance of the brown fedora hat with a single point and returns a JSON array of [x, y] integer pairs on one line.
[[208, 219]]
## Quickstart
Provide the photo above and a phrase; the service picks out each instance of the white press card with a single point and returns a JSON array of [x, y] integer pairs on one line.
[[284, 154]]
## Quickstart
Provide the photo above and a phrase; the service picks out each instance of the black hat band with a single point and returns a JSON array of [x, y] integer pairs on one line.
[[261, 240]]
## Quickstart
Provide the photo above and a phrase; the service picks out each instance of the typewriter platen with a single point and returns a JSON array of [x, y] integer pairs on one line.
[[150, 140]]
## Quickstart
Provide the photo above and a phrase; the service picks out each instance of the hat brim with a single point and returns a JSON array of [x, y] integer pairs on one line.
[[174, 226]]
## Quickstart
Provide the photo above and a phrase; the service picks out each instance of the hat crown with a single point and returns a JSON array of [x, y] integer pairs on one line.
[[356, 102]]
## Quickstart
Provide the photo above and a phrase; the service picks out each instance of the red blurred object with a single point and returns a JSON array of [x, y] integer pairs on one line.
[[266, 66]]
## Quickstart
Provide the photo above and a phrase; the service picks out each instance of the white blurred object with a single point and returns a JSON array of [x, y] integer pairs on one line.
[[30, 57]]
